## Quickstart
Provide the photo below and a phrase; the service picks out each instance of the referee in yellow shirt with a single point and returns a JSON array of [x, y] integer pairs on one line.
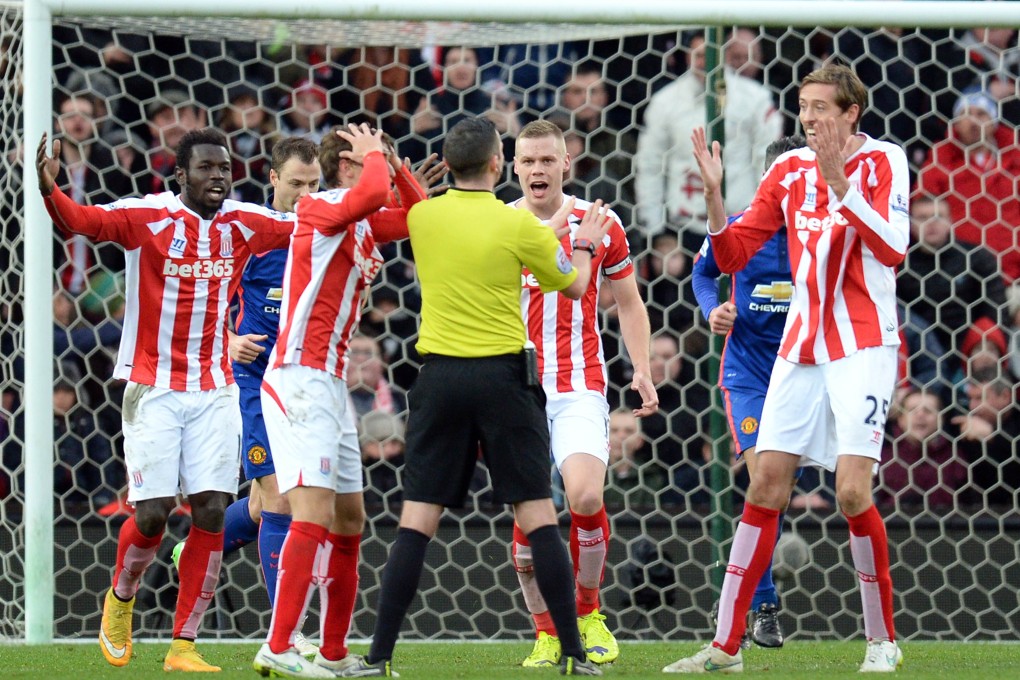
[[476, 386]]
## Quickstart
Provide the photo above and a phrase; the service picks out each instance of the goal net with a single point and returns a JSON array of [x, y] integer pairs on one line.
[[125, 88]]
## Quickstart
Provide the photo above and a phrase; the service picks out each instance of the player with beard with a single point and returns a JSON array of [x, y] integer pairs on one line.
[[184, 256], [264, 514]]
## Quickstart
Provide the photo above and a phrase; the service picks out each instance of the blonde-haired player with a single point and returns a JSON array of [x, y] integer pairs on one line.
[[572, 368]]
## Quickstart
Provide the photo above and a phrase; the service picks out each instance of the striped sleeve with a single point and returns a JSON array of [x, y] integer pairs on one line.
[[129, 222], [884, 223]]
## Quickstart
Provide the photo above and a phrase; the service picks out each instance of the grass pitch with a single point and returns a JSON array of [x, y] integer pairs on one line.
[[450, 661]]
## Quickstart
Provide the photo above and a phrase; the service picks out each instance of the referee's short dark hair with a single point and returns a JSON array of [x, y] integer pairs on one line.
[[468, 147]]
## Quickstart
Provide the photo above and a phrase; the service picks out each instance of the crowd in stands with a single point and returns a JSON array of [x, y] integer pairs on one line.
[[627, 108]]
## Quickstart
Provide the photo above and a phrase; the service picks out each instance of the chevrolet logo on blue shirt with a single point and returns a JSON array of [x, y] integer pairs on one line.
[[777, 291]]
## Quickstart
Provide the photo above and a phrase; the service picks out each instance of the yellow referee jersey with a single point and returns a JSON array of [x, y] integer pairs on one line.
[[469, 248]]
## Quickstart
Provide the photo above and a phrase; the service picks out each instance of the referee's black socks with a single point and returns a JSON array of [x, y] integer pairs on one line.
[[555, 580], [399, 585]]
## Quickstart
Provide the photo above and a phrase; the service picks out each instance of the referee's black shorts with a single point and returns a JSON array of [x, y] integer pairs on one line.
[[458, 406]]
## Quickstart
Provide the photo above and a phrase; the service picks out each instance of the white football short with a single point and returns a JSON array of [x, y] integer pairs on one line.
[[174, 440], [311, 429], [578, 423], [822, 411]]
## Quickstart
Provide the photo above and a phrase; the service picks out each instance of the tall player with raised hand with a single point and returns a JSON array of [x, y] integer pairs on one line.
[[333, 258], [184, 257], [752, 321], [572, 367], [844, 200]]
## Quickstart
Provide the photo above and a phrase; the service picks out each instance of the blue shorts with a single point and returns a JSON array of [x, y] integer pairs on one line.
[[255, 452], [743, 413]]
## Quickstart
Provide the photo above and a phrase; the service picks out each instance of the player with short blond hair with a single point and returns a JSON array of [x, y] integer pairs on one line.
[[572, 367]]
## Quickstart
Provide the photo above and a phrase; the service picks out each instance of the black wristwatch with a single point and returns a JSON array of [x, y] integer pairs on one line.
[[584, 244]]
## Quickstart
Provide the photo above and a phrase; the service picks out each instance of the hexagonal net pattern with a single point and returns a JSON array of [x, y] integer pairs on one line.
[[126, 89]]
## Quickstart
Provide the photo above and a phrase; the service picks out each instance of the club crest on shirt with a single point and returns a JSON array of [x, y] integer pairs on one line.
[[226, 244], [324, 466], [257, 455], [749, 425], [136, 478]]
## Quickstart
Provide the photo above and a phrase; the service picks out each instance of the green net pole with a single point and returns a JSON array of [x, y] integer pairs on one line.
[[721, 523]]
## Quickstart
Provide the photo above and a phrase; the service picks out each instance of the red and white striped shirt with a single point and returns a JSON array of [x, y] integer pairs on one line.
[[181, 272], [332, 259], [843, 254], [566, 332]]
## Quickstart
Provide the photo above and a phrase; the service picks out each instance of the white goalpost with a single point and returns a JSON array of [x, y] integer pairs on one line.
[[405, 22]]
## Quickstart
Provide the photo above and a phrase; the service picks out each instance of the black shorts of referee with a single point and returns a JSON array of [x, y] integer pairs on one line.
[[459, 406]]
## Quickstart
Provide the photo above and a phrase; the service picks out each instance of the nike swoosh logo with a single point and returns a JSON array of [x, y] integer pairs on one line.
[[711, 666], [600, 650], [891, 659], [113, 651], [296, 668]]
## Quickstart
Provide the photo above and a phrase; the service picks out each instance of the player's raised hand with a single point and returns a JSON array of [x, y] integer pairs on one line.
[[244, 349], [558, 222], [720, 319], [643, 385], [831, 152], [595, 223], [392, 159], [429, 173], [363, 140], [47, 166], [709, 162]]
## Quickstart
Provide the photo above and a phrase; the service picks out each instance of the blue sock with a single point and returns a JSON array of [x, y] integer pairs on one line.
[[765, 593], [271, 534], [238, 528]]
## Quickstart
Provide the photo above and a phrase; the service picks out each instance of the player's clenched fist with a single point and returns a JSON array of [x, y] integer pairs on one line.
[[720, 319], [245, 349]]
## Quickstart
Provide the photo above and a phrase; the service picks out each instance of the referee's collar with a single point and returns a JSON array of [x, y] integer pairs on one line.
[[474, 192]]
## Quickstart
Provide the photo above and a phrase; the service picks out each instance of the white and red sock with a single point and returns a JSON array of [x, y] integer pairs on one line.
[[338, 590], [296, 582], [753, 544], [589, 544], [525, 568], [199, 570], [870, 550], [135, 552]]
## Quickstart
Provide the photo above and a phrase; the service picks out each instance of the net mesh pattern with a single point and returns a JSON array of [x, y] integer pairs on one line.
[[949, 496]]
